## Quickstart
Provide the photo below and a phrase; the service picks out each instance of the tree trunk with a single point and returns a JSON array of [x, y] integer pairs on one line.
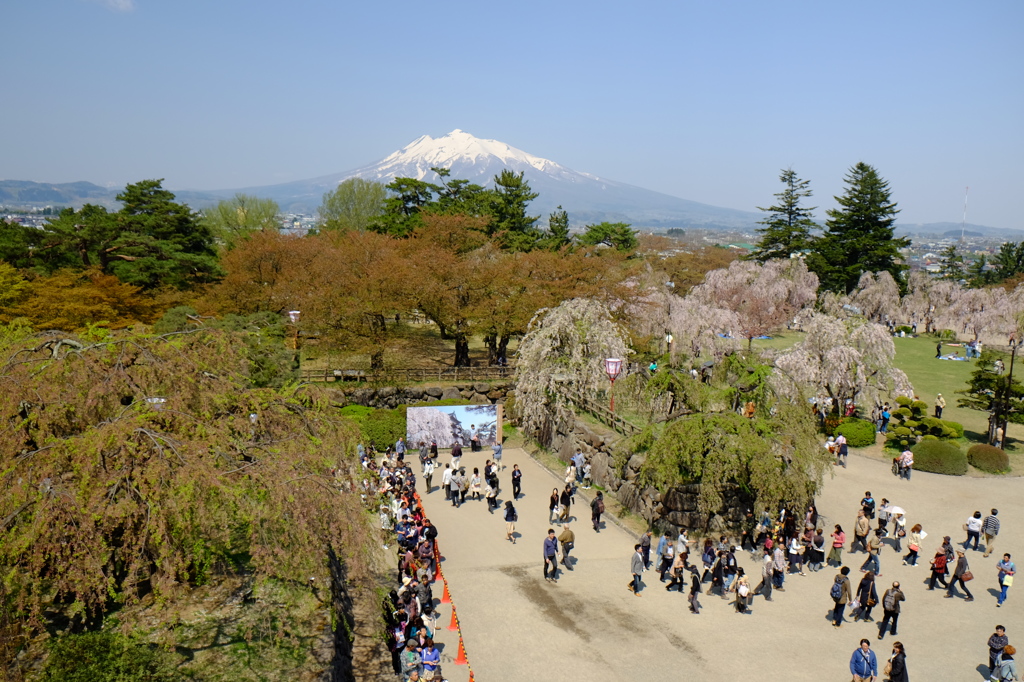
[[443, 329], [502, 358], [461, 351], [492, 350]]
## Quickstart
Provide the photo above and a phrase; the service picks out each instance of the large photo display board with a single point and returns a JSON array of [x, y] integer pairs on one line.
[[450, 424]]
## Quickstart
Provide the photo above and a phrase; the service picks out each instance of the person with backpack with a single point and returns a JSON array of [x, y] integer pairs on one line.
[[596, 509], [841, 594], [891, 609]]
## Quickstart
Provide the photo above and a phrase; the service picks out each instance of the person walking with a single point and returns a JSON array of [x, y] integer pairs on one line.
[[663, 542], [996, 643], [645, 548], [446, 482], [694, 591], [891, 609], [863, 663], [517, 482], [455, 485], [742, 591], [861, 529], [940, 403], [990, 529], [496, 451], [1007, 668], [906, 463], [667, 551], [1006, 570], [564, 502], [959, 572], [636, 567], [914, 545], [764, 588], [867, 597], [841, 594], [596, 509], [677, 574], [874, 547], [779, 567], [567, 540], [553, 506], [939, 570], [511, 516], [973, 528], [898, 664], [842, 450], [551, 556], [456, 454], [428, 474], [835, 555], [899, 531]]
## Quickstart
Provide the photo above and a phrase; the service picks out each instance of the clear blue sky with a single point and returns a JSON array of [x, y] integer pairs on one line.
[[706, 101]]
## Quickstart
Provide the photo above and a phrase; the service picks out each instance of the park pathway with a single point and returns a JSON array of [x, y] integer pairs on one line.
[[517, 626]]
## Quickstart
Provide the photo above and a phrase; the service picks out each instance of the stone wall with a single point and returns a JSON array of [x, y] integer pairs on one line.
[[389, 397], [669, 510]]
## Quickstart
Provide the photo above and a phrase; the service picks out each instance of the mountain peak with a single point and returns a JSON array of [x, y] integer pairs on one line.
[[456, 149]]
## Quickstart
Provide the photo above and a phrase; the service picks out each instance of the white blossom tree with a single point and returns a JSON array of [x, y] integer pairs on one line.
[[927, 298], [562, 355], [762, 297], [877, 296], [843, 359], [981, 311]]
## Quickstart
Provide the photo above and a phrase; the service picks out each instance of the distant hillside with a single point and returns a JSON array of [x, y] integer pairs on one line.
[[26, 193], [953, 230]]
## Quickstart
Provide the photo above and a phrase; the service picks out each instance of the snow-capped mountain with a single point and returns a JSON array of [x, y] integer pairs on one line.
[[586, 197]]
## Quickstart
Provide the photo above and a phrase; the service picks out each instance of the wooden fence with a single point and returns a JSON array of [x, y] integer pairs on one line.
[[605, 415], [409, 375]]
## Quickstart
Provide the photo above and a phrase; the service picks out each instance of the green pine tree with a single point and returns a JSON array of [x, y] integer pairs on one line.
[[858, 235], [787, 229], [951, 264]]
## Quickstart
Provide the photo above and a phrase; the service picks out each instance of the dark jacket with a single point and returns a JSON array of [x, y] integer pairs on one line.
[[866, 591], [899, 669]]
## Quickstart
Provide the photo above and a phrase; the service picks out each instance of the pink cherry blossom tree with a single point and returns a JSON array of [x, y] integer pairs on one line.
[[843, 359], [762, 297]]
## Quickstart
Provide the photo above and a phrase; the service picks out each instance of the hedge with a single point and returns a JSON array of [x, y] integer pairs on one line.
[[988, 458], [859, 433], [939, 457]]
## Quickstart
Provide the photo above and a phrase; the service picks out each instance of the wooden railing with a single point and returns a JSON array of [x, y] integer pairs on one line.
[[409, 375], [605, 415]]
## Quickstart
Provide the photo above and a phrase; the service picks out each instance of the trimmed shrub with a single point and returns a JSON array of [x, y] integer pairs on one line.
[[988, 458], [859, 433], [939, 457], [956, 427], [903, 401]]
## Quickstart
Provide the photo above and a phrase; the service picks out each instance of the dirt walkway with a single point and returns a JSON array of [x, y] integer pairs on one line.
[[588, 626]]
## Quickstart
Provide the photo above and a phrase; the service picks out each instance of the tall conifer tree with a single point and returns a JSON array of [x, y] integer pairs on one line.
[[858, 235], [788, 227]]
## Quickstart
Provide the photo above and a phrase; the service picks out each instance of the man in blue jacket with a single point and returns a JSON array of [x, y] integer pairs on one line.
[[863, 664]]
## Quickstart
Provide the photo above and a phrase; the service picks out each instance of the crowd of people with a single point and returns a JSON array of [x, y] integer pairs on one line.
[[786, 545]]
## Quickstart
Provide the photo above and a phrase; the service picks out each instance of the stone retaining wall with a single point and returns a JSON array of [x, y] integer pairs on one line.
[[389, 397], [670, 510]]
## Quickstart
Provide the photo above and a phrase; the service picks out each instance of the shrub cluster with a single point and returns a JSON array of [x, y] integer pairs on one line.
[[939, 457], [107, 657], [988, 458], [379, 427], [910, 423], [859, 433]]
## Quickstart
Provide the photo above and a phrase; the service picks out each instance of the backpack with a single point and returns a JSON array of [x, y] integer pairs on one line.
[[837, 590], [889, 601], [600, 506]]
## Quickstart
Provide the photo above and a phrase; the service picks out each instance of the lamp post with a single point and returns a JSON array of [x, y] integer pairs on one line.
[[294, 315], [612, 367]]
